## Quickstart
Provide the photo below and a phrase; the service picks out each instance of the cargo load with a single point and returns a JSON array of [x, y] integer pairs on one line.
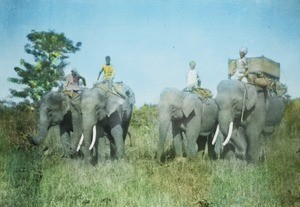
[[263, 72], [259, 65]]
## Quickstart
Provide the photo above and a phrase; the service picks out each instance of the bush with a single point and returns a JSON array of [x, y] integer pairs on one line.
[[17, 122], [292, 116], [144, 116]]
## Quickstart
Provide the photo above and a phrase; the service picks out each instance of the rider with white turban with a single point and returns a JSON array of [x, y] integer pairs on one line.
[[241, 69], [193, 80]]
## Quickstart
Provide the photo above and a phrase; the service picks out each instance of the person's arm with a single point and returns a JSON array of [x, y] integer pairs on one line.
[[100, 74], [83, 80], [67, 82]]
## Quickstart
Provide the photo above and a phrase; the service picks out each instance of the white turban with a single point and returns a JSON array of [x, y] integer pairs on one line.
[[244, 50]]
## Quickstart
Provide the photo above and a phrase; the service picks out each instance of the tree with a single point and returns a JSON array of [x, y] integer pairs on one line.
[[50, 51]]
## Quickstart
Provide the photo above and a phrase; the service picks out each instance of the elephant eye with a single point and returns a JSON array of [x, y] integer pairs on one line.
[[173, 108], [49, 111]]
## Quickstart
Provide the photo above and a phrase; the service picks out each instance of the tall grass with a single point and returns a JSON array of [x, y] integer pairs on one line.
[[39, 176]]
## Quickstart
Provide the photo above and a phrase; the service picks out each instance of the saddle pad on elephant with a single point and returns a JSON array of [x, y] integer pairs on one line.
[[117, 88], [71, 94], [202, 92]]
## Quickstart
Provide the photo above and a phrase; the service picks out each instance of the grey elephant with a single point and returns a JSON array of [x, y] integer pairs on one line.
[[190, 116], [246, 113], [57, 108], [108, 115]]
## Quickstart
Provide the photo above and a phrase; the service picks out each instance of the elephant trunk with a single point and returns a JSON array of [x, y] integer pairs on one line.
[[164, 124], [229, 134], [225, 125], [93, 140], [216, 135], [43, 129]]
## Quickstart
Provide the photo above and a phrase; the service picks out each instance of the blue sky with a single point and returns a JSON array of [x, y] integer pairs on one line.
[[151, 42]]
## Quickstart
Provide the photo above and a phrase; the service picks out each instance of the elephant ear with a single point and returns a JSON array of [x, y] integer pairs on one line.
[[251, 97], [76, 103], [113, 102], [188, 105]]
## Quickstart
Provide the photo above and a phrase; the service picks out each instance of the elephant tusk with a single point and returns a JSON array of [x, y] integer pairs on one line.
[[80, 143], [229, 134], [216, 135], [94, 138]]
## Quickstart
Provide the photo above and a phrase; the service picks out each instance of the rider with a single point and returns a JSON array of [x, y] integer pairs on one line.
[[241, 71], [109, 72], [72, 81], [193, 80]]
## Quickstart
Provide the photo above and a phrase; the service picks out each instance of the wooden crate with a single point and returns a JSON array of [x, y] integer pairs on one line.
[[259, 65]]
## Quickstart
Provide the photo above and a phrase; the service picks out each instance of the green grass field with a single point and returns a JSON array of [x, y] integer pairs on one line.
[[38, 177]]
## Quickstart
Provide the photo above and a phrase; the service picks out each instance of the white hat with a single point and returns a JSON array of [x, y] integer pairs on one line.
[[244, 50]]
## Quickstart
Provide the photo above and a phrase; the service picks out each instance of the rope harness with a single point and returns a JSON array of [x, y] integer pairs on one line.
[[244, 100]]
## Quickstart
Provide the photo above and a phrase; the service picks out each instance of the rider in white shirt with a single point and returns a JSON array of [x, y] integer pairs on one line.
[[193, 80]]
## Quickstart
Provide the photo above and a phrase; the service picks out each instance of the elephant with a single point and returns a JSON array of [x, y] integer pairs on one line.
[[57, 108], [191, 116], [108, 115], [246, 114]]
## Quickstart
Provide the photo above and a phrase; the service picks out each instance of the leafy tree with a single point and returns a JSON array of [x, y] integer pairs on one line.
[[50, 51]]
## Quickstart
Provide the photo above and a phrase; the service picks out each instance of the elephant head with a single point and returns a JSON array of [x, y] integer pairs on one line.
[[53, 109], [234, 98], [173, 105]]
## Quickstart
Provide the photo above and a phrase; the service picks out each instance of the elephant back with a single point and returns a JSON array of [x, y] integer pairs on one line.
[[126, 90], [120, 88]]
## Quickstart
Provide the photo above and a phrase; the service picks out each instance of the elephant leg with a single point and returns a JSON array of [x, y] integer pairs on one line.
[[201, 143], [177, 140], [113, 149], [192, 147], [229, 149], [240, 144], [228, 152], [125, 125], [238, 147], [101, 144], [117, 134], [254, 129], [65, 138], [211, 148], [254, 145]]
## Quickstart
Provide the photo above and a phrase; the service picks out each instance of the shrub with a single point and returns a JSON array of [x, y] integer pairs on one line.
[[292, 116], [144, 116]]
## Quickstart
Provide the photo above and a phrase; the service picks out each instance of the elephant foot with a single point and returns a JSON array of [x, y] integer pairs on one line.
[[77, 155], [181, 159], [229, 155]]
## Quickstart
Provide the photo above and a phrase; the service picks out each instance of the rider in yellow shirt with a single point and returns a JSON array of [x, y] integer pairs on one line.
[[109, 72]]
